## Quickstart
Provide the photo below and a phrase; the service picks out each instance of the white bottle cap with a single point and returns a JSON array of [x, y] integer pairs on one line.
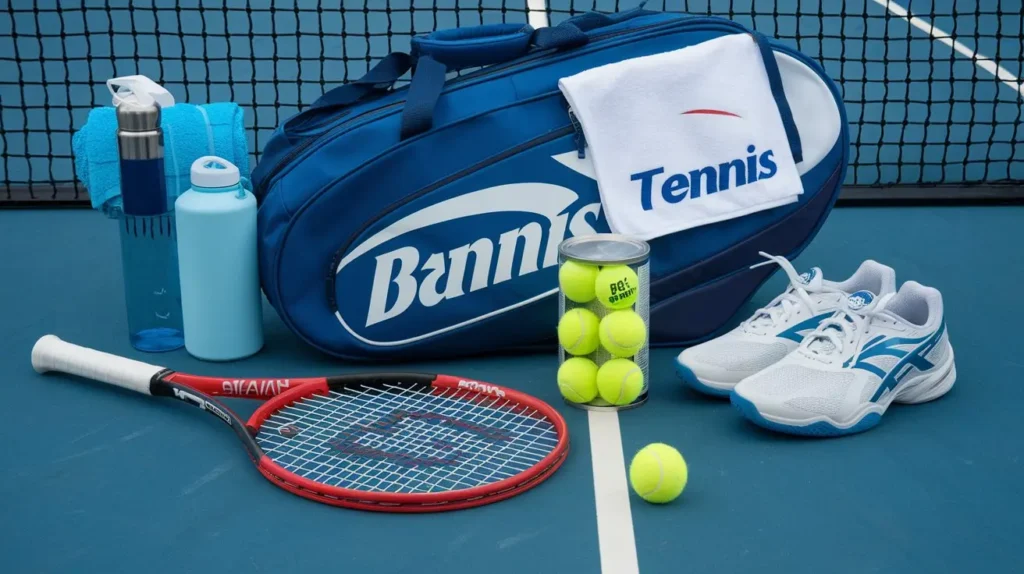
[[213, 171], [140, 89]]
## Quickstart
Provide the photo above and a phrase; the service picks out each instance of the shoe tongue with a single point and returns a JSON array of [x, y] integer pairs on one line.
[[857, 302], [812, 280]]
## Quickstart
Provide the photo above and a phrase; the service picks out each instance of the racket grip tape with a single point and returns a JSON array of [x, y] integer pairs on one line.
[[50, 353]]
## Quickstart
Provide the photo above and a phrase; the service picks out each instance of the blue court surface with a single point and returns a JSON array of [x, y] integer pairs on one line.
[[97, 479]]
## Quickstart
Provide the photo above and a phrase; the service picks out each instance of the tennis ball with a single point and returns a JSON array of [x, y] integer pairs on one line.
[[619, 381], [658, 473], [622, 333], [577, 281], [616, 286], [577, 331], [577, 379]]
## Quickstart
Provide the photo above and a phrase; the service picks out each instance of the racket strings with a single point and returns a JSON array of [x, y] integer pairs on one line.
[[438, 478], [372, 472], [400, 440]]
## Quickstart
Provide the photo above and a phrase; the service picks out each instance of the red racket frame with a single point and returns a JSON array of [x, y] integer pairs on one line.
[[51, 354], [394, 502]]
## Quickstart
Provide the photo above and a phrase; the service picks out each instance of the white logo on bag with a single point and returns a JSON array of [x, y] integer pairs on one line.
[[395, 288]]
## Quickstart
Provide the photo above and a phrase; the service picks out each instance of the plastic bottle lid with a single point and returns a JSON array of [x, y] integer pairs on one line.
[[140, 89], [213, 171]]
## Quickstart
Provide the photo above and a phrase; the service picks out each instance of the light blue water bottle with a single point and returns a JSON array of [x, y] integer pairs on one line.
[[148, 252], [217, 261]]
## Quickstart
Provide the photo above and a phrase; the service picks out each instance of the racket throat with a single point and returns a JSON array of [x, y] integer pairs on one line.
[[164, 388]]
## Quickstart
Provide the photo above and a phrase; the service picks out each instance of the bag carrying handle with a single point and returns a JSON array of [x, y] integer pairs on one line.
[[443, 51], [433, 55], [485, 45], [377, 81], [489, 44]]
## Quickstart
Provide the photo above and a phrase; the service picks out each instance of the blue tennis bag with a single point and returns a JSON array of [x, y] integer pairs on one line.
[[421, 219]]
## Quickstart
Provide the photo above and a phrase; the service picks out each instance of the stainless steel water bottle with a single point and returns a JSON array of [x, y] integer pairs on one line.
[[148, 247]]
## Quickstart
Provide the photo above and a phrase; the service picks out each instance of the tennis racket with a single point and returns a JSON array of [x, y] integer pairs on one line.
[[391, 442]]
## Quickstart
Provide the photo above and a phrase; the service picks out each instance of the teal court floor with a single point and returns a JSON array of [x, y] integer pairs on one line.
[[94, 479]]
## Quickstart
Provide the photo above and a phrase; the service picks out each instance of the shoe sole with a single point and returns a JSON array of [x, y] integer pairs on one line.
[[937, 383], [710, 388]]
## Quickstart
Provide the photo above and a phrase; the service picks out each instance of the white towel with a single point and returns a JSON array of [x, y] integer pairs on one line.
[[675, 137]]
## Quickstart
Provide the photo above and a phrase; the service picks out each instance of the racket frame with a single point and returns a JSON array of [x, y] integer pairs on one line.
[[411, 502], [52, 354]]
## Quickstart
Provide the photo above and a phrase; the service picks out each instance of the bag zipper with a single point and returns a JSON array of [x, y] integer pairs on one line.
[[581, 138], [306, 143]]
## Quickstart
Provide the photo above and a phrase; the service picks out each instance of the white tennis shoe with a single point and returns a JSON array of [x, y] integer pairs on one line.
[[714, 367], [844, 375]]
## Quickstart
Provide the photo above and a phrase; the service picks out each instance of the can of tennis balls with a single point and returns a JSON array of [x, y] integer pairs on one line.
[[603, 328]]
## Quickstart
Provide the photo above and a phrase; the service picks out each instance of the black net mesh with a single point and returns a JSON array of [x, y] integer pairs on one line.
[[931, 87]]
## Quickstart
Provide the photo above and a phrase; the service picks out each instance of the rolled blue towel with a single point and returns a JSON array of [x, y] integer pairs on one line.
[[190, 132]]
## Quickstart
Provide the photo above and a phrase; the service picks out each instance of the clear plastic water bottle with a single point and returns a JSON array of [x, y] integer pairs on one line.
[[217, 257], [148, 248]]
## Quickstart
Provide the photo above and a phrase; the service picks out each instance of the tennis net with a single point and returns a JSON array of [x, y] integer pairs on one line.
[[931, 87]]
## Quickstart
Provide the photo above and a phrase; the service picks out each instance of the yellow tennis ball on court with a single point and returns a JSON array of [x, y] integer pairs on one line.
[[619, 381], [616, 286], [622, 333], [576, 280], [577, 379], [577, 331], [658, 473]]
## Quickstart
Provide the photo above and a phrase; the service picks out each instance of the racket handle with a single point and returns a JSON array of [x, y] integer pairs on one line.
[[50, 353]]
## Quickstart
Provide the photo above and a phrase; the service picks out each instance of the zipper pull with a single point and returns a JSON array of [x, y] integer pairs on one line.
[[581, 140]]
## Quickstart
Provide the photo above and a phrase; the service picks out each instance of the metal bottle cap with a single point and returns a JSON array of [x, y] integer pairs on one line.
[[138, 129], [140, 143], [134, 116]]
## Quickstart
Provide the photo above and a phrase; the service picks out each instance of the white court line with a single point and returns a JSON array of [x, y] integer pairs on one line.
[[611, 495], [982, 61], [611, 489], [538, 13]]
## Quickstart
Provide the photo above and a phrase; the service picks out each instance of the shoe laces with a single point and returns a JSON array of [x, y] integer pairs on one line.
[[780, 309], [845, 326]]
